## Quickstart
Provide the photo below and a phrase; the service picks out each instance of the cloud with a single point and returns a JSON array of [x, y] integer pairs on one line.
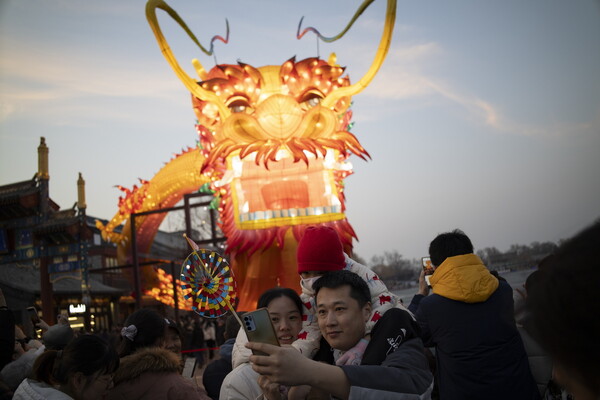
[[6, 110], [402, 78], [38, 79], [493, 117], [483, 110], [71, 75]]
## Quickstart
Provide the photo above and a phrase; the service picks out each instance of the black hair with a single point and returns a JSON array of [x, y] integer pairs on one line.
[[449, 244], [276, 292], [173, 325], [232, 326], [150, 326], [531, 280], [359, 290], [88, 354], [564, 307], [497, 275], [170, 324]]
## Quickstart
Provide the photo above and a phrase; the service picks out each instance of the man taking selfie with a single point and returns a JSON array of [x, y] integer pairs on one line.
[[393, 362]]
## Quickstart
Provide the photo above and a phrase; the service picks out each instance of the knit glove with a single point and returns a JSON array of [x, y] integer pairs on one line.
[[354, 355]]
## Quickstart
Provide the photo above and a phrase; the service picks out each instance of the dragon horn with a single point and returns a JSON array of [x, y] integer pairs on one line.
[[189, 83], [384, 46]]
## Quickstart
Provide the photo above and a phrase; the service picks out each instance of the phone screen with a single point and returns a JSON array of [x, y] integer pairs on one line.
[[428, 268], [189, 367], [259, 328]]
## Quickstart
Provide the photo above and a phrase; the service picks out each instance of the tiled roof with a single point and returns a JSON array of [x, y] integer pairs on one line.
[[27, 278], [18, 187], [13, 192], [58, 220]]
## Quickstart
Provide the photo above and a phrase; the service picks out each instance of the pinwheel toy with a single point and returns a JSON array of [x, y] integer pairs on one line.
[[207, 279]]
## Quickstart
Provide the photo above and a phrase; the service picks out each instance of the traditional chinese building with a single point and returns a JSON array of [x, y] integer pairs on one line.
[[45, 254]]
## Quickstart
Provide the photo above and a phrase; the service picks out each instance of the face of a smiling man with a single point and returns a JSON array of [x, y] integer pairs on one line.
[[341, 319]]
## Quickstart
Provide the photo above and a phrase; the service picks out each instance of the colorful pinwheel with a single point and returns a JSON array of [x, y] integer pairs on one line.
[[207, 279]]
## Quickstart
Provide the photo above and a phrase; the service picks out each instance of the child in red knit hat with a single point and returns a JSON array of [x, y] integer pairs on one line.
[[319, 251]]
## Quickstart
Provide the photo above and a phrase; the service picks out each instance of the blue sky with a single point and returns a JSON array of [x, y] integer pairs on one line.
[[485, 115]]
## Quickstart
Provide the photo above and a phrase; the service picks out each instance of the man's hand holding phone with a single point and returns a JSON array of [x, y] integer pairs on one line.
[[282, 365], [423, 286], [428, 269]]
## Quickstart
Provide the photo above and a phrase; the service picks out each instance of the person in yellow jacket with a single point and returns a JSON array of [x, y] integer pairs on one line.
[[469, 320]]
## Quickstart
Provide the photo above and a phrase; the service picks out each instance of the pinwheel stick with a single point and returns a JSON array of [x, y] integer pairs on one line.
[[234, 313], [192, 244]]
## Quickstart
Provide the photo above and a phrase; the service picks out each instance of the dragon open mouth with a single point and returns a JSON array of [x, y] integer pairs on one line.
[[286, 193]]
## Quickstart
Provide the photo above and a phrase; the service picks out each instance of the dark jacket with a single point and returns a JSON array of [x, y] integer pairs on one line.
[[217, 370], [470, 321], [152, 373], [7, 336], [393, 365]]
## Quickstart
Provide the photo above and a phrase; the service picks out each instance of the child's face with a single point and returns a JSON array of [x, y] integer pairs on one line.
[[310, 274]]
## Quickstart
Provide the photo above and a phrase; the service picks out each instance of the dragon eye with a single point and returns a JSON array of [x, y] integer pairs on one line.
[[314, 101], [237, 108], [239, 105], [311, 99]]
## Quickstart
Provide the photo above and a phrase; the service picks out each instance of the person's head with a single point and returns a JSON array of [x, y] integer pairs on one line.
[[173, 337], [143, 328], [285, 309], [449, 244], [320, 250], [232, 326], [83, 369], [58, 336], [343, 307], [564, 309], [531, 281]]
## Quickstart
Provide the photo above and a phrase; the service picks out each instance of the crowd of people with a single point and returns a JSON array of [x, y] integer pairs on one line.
[[465, 335]]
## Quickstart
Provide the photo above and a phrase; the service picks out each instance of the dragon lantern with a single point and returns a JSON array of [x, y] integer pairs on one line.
[[274, 143]]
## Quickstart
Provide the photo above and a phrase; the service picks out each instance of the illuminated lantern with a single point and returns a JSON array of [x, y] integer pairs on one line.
[[274, 147]]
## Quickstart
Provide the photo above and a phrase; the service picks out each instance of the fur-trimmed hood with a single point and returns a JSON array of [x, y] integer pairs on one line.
[[152, 359], [153, 373]]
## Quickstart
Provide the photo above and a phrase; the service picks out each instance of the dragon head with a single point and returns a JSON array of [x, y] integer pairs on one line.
[[275, 139], [279, 158]]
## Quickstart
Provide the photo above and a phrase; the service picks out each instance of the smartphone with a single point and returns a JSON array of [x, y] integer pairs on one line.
[[428, 268], [33, 314], [259, 328], [189, 368]]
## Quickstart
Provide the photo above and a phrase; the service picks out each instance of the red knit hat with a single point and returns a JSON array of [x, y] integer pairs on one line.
[[320, 249]]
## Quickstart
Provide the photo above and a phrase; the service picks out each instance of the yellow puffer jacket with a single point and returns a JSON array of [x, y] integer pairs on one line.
[[463, 278]]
